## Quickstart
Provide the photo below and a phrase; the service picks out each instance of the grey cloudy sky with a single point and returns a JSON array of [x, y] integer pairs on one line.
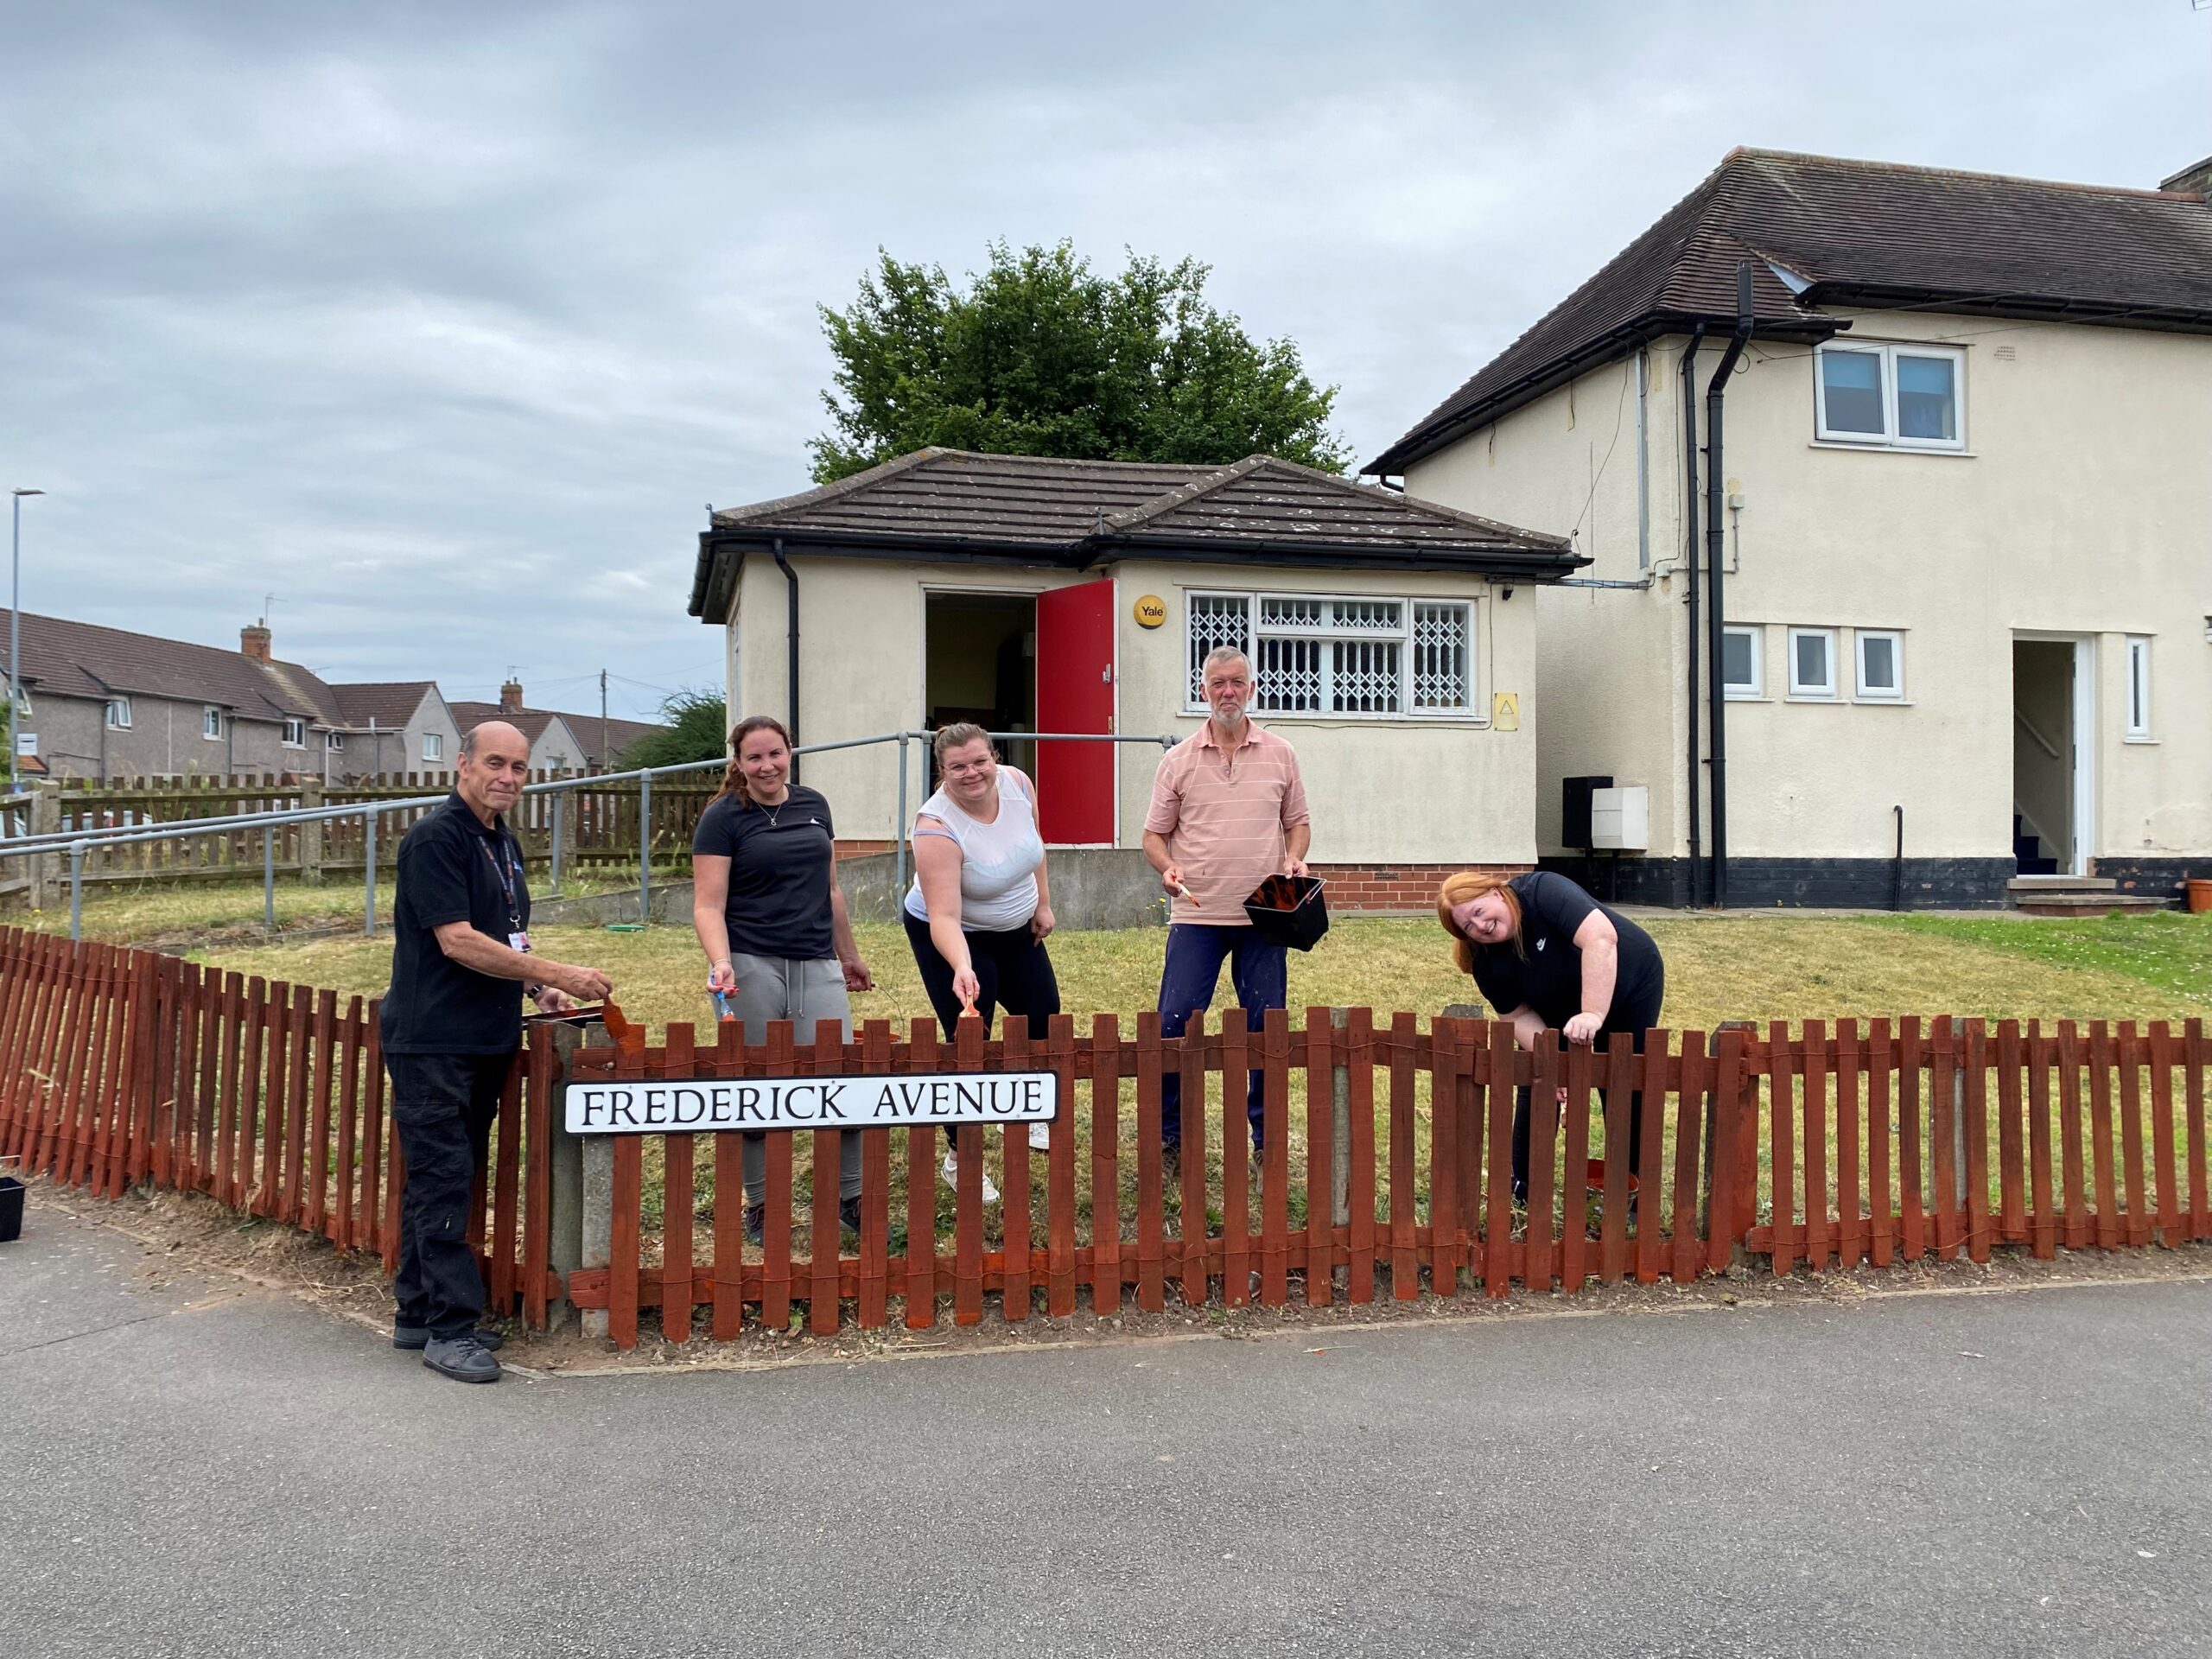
[[442, 323]]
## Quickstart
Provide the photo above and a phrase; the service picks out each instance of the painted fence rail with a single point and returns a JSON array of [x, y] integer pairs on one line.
[[1384, 1172]]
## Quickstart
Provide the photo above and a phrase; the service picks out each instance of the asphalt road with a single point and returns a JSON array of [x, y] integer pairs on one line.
[[207, 1470]]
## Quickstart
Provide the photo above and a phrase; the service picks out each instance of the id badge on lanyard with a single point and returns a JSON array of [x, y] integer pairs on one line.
[[517, 935]]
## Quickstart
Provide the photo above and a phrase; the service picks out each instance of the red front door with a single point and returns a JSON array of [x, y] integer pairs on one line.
[[1075, 693]]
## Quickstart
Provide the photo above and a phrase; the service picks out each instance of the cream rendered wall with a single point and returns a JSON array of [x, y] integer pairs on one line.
[[2082, 506], [1609, 663], [1432, 790], [860, 644], [1417, 791]]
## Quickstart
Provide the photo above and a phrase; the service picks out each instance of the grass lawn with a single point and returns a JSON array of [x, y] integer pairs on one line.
[[1755, 967]]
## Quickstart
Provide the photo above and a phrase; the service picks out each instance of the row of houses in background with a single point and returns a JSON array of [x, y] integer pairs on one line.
[[103, 704], [1958, 516]]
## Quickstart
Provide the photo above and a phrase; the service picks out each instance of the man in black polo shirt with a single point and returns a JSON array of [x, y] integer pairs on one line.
[[452, 1022]]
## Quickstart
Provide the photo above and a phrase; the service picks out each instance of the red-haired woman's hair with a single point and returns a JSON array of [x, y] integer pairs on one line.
[[1462, 886], [732, 777]]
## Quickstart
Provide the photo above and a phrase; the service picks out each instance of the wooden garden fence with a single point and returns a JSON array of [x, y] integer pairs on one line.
[[1385, 1172]]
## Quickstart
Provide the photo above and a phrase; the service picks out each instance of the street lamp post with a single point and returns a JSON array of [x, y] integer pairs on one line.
[[16, 634]]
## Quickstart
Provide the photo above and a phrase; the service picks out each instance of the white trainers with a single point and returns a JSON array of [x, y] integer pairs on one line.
[[951, 1171], [1040, 1137]]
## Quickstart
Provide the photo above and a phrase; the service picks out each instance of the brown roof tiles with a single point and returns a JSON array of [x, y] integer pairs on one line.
[[1822, 232]]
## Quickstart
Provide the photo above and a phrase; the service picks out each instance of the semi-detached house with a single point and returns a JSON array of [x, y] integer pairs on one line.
[[1963, 482]]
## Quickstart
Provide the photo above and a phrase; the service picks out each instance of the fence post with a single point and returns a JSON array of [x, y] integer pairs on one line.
[[311, 835], [76, 889], [559, 797], [899, 826], [369, 870], [1339, 1122], [645, 847], [268, 877], [46, 819], [567, 1243]]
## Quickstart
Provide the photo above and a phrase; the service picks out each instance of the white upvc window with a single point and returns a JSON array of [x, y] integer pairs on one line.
[[211, 724], [118, 714], [1743, 662], [334, 742], [1894, 396], [2139, 687], [1880, 653], [1339, 654], [295, 732], [434, 746], [1812, 664]]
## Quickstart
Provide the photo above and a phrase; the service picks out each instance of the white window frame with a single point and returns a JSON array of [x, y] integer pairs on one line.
[[211, 716], [1801, 692], [1864, 693], [1887, 353], [118, 714], [294, 724], [334, 742], [434, 746], [1471, 712], [1755, 691], [2137, 703]]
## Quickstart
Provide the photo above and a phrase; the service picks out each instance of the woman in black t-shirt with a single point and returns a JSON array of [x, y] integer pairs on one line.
[[1548, 956], [768, 911]]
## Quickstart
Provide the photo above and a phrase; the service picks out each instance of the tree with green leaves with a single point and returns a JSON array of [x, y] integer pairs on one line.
[[695, 726], [1040, 355]]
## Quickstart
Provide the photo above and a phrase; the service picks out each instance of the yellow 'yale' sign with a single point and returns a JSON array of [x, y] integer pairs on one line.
[[1151, 610]]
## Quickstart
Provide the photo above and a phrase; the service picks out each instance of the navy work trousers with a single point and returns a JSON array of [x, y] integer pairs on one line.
[[443, 1105], [1261, 972]]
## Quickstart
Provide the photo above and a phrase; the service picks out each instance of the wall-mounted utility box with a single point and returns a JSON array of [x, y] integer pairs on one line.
[[1620, 819]]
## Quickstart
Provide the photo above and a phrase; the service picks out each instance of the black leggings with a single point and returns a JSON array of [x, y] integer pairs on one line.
[[1633, 1014], [1013, 971]]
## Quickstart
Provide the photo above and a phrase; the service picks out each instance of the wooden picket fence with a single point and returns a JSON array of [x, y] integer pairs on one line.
[[599, 825], [1890, 1144]]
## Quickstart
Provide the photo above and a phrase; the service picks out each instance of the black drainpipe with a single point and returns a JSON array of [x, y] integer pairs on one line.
[[1715, 536], [1896, 874], [1689, 496], [790, 669]]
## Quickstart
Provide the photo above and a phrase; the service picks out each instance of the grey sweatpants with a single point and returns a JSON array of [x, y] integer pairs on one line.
[[772, 987]]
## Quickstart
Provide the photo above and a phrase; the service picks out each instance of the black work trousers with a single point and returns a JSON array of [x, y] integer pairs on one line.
[[443, 1106], [1014, 971], [1635, 1014]]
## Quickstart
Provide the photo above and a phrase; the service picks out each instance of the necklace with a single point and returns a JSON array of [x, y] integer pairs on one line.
[[775, 815]]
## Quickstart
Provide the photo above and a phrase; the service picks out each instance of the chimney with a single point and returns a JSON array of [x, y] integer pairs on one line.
[[253, 640], [510, 697], [2198, 178]]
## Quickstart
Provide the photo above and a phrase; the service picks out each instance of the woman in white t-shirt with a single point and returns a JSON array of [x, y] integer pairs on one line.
[[981, 909]]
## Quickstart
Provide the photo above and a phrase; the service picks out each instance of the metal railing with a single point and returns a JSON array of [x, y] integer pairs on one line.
[[79, 842]]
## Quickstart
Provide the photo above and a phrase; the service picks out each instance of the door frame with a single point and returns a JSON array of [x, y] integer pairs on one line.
[[2082, 715]]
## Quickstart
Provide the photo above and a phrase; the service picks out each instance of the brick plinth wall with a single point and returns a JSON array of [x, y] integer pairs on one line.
[[1355, 887]]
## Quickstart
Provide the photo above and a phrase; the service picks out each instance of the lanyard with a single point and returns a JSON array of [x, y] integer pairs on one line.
[[506, 880]]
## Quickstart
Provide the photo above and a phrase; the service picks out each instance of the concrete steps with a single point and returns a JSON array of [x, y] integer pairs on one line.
[[2077, 895]]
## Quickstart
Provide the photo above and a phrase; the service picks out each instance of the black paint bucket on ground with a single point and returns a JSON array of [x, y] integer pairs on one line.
[[12, 1209]]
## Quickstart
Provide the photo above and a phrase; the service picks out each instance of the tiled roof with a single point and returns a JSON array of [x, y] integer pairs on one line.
[[620, 734], [389, 703], [1861, 234], [84, 659], [1041, 510], [531, 722]]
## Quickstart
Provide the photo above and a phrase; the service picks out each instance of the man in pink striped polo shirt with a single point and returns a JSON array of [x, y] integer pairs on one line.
[[1228, 811]]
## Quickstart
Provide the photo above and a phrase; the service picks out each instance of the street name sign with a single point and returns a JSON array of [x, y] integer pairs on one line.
[[708, 1105]]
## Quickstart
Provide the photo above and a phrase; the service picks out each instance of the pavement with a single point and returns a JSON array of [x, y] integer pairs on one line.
[[204, 1467]]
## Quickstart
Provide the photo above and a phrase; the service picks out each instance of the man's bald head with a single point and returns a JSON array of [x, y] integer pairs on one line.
[[496, 734], [494, 766]]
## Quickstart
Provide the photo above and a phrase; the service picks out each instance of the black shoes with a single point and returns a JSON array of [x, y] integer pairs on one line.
[[756, 1216], [848, 1213], [462, 1358], [412, 1337]]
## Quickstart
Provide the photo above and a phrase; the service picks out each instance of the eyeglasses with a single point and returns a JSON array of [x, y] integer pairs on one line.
[[968, 768]]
